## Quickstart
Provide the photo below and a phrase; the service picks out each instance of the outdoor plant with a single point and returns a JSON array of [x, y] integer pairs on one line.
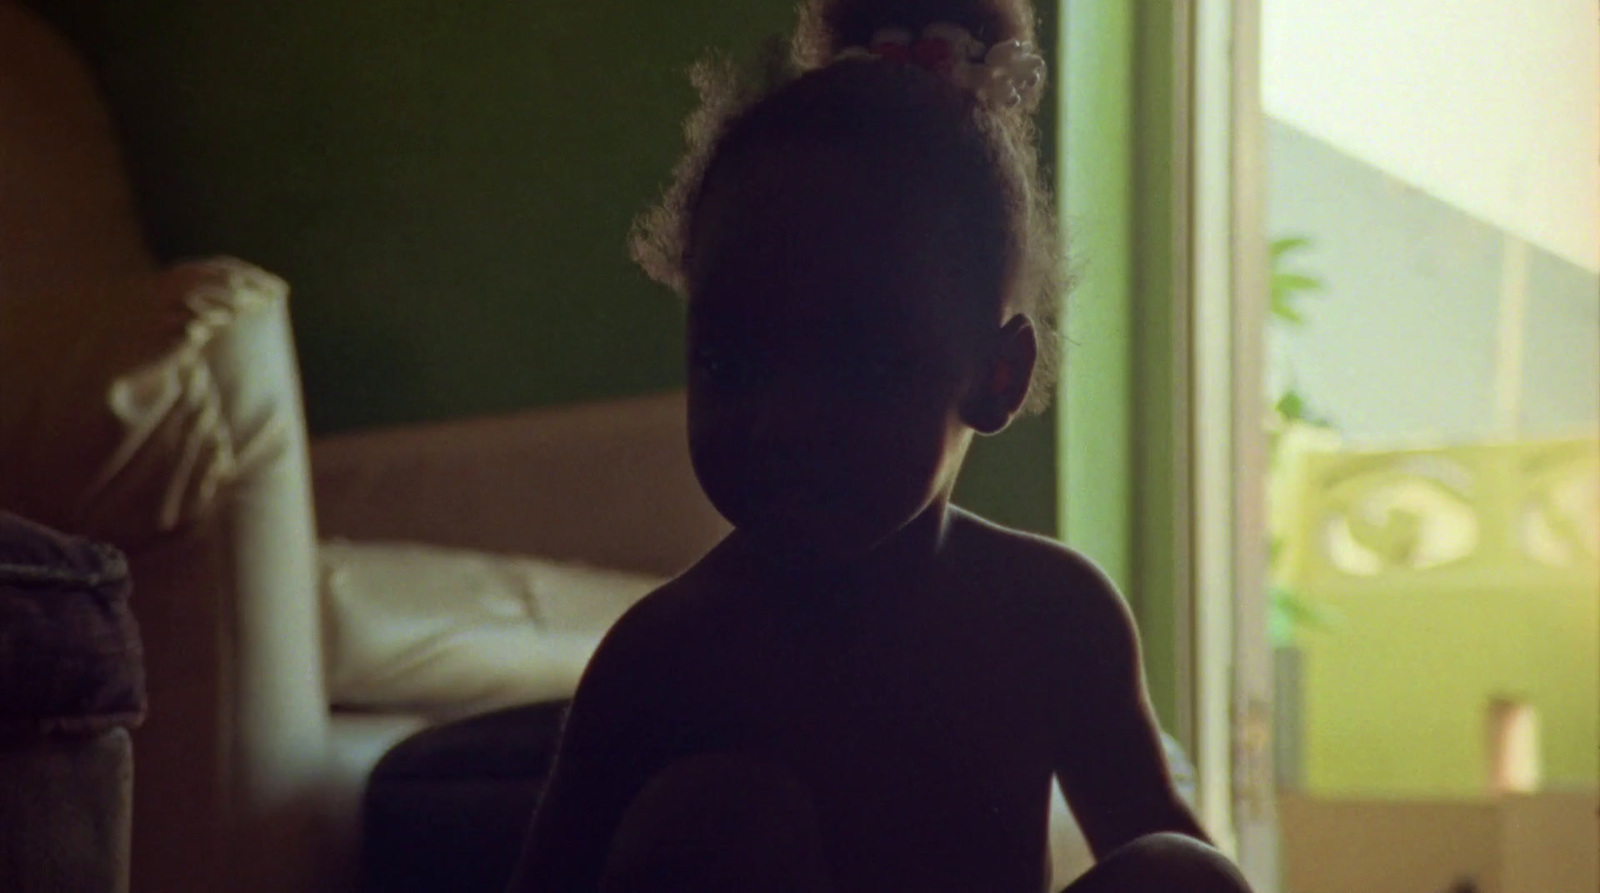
[[1291, 611]]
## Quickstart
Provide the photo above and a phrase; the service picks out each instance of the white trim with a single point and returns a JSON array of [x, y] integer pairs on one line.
[[1255, 801], [1212, 433]]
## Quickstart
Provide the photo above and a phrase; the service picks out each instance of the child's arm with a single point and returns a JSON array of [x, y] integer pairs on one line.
[[1110, 762], [618, 733]]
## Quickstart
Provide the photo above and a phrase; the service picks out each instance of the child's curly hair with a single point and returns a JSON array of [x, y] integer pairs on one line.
[[988, 156]]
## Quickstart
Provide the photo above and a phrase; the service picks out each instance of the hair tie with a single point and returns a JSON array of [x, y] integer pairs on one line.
[[1002, 75]]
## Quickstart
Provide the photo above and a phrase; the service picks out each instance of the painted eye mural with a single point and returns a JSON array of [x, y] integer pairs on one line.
[[1414, 513], [1558, 522]]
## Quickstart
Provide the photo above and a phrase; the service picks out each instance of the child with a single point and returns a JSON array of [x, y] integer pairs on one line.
[[863, 687]]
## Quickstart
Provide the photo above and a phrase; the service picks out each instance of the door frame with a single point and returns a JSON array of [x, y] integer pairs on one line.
[[1161, 434], [1233, 667]]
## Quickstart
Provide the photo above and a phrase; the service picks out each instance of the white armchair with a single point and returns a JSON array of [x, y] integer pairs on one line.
[[158, 409]]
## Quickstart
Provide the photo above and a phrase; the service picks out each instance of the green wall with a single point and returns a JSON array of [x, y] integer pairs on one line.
[[448, 187], [1450, 578], [1396, 699], [1121, 427]]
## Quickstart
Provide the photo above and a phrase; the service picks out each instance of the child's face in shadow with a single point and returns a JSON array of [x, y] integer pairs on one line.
[[830, 349]]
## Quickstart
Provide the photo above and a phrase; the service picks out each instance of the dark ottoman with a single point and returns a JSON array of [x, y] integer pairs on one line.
[[446, 810]]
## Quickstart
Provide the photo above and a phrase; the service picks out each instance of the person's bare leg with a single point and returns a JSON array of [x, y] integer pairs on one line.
[[715, 823], [1162, 863]]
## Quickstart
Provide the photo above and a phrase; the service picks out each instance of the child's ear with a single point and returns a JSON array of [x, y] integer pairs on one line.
[[1003, 375]]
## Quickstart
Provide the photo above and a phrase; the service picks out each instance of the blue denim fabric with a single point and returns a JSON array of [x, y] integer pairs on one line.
[[70, 657]]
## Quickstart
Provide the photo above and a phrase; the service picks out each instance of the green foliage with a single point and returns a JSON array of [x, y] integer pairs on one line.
[[1292, 407], [1288, 287], [1291, 612]]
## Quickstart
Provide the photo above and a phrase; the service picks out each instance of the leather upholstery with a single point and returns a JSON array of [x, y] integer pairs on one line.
[[158, 409]]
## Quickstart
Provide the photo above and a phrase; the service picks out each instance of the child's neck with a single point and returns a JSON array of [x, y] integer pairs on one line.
[[906, 556]]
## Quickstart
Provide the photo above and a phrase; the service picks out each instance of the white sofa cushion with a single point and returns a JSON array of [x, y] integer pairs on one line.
[[451, 632]]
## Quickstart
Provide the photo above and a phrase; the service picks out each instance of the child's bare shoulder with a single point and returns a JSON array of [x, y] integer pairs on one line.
[[640, 634], [1032, 564], [646, 640], [1058, 590]]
